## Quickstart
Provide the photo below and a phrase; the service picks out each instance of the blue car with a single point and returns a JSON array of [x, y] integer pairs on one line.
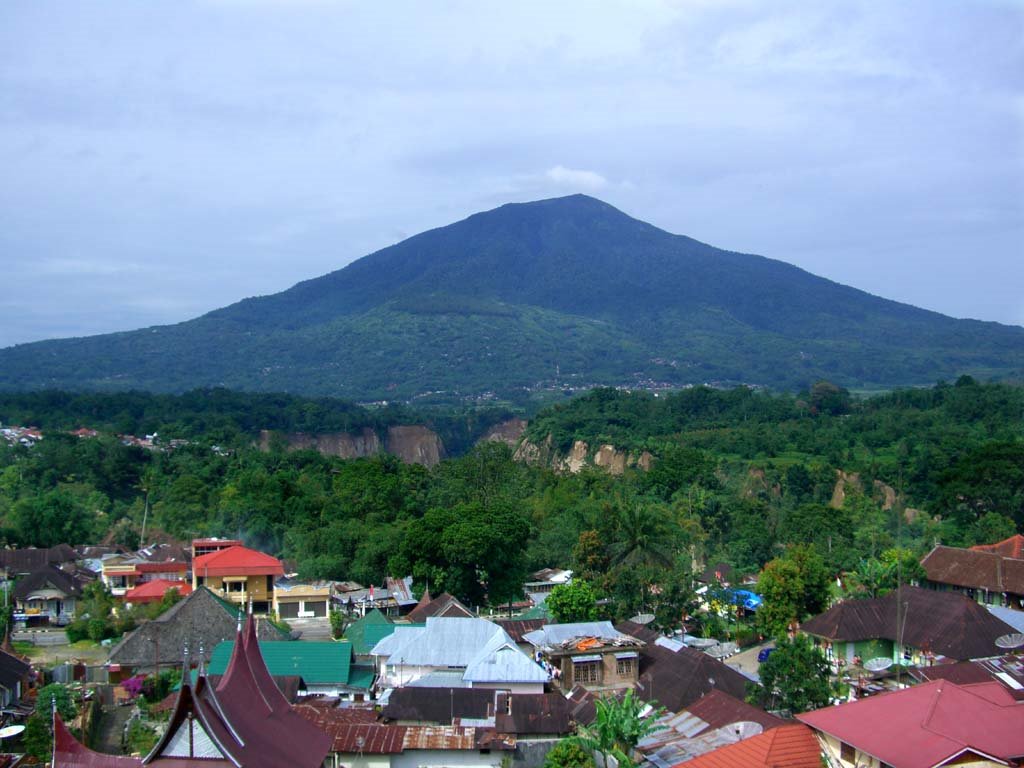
[[763, 654]]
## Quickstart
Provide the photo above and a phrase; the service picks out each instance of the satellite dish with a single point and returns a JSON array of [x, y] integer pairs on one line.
[[878, 664], [11, 730], [1012, 640]]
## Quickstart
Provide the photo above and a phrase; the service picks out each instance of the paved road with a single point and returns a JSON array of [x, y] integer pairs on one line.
[[312, 629], [746, 661]]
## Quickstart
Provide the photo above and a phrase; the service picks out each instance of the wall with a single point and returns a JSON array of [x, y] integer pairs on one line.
[[449, 758]]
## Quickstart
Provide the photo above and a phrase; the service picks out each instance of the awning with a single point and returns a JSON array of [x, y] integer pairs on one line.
[[627, 655], [584, 659]]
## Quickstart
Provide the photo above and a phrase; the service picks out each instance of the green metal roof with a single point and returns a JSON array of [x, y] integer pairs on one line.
[[361, 677], [316, 663], [366, 632], [536, 612]]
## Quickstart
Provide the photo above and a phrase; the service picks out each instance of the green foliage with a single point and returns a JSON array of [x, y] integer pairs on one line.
[[55, 692], [37, 738], [140, 738], [793, 587], [795, 677], [535, 293], [573, 602], [568, 753], [619, 724]]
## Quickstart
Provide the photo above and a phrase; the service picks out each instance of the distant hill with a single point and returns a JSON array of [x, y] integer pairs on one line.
[[556, 293]]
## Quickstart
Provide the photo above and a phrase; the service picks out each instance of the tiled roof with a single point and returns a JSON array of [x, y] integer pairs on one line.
[[928, 724], [237, 561], [26, 560], [1011, 547], [789, 746], [977, 569], [162, 566], [316, 663], [941, 622]]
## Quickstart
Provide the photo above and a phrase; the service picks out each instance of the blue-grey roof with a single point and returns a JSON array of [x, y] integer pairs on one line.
[[558, 635], [1014, 618], [503, 662]]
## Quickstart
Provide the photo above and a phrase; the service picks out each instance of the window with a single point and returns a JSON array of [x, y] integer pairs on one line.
[[235, 586], [624, 667], [847, 753], [587, 672]]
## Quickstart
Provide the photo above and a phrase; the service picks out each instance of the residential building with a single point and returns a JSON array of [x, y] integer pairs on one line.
[[933, 724], [393, 599], [153, 591], [245, 722], [239, 575], [365, 632], [714, 720], [202, 547], [200, 621], [789, 746], [49, 595], [445, 605], [675, 675], [543, 582], [986, 574], [325, 668], [911, 626], [15, 678], [301, 600], [21, 562], [119, 572], [593, 654], [456, 652]]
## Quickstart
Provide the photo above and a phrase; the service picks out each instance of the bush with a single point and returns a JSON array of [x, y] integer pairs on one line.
[[568, 753]]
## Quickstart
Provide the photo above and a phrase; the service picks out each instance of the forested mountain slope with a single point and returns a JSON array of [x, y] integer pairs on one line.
[[568, 291]]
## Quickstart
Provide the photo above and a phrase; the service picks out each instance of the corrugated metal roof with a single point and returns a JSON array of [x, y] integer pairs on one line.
[[555, 634], [502, 662], [316, 663], [444, 642]]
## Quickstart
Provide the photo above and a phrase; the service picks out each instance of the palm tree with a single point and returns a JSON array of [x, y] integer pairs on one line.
[[644, 535]]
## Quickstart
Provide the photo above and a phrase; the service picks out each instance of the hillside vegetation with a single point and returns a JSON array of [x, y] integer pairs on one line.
[[739, 477], [562, 293]]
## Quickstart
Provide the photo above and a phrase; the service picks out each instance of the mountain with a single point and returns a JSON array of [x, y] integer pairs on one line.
[[560, 292]]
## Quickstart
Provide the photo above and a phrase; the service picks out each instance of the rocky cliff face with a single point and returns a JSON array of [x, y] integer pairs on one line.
[[509, 432], [412, 444], [608, 457]]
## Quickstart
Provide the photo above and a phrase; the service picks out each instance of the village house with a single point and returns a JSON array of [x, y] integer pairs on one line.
[[789, 746], [933, 724], [49, 595], [21, 562], [909, 626], [456, 652], [592, 654], [365, 632], [360, 743], [301, 600], [543, 582], [1007, 670], [148, 592], [675, 675], [326, 669], [394, 598], [15, 677], [444, 605], [714, 720], [991, 574], [244, 722], [240, 575], [200, 621]]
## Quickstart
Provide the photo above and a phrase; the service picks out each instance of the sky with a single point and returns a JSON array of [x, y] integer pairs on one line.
[[161, 159]]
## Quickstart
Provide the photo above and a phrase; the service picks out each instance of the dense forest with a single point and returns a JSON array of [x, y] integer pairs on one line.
[[738, 476]]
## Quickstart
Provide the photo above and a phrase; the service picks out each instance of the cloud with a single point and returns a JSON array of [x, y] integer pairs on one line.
[[571, 177]]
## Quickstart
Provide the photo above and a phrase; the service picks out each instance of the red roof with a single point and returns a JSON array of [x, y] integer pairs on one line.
[[68, 752], [163, 566], [237, 561], [788, 746], [1012, 547], [154, 591], [371, 738], [928, 724]]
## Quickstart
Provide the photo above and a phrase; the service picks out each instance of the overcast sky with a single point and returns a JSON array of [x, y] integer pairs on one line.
[[161, 159]]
